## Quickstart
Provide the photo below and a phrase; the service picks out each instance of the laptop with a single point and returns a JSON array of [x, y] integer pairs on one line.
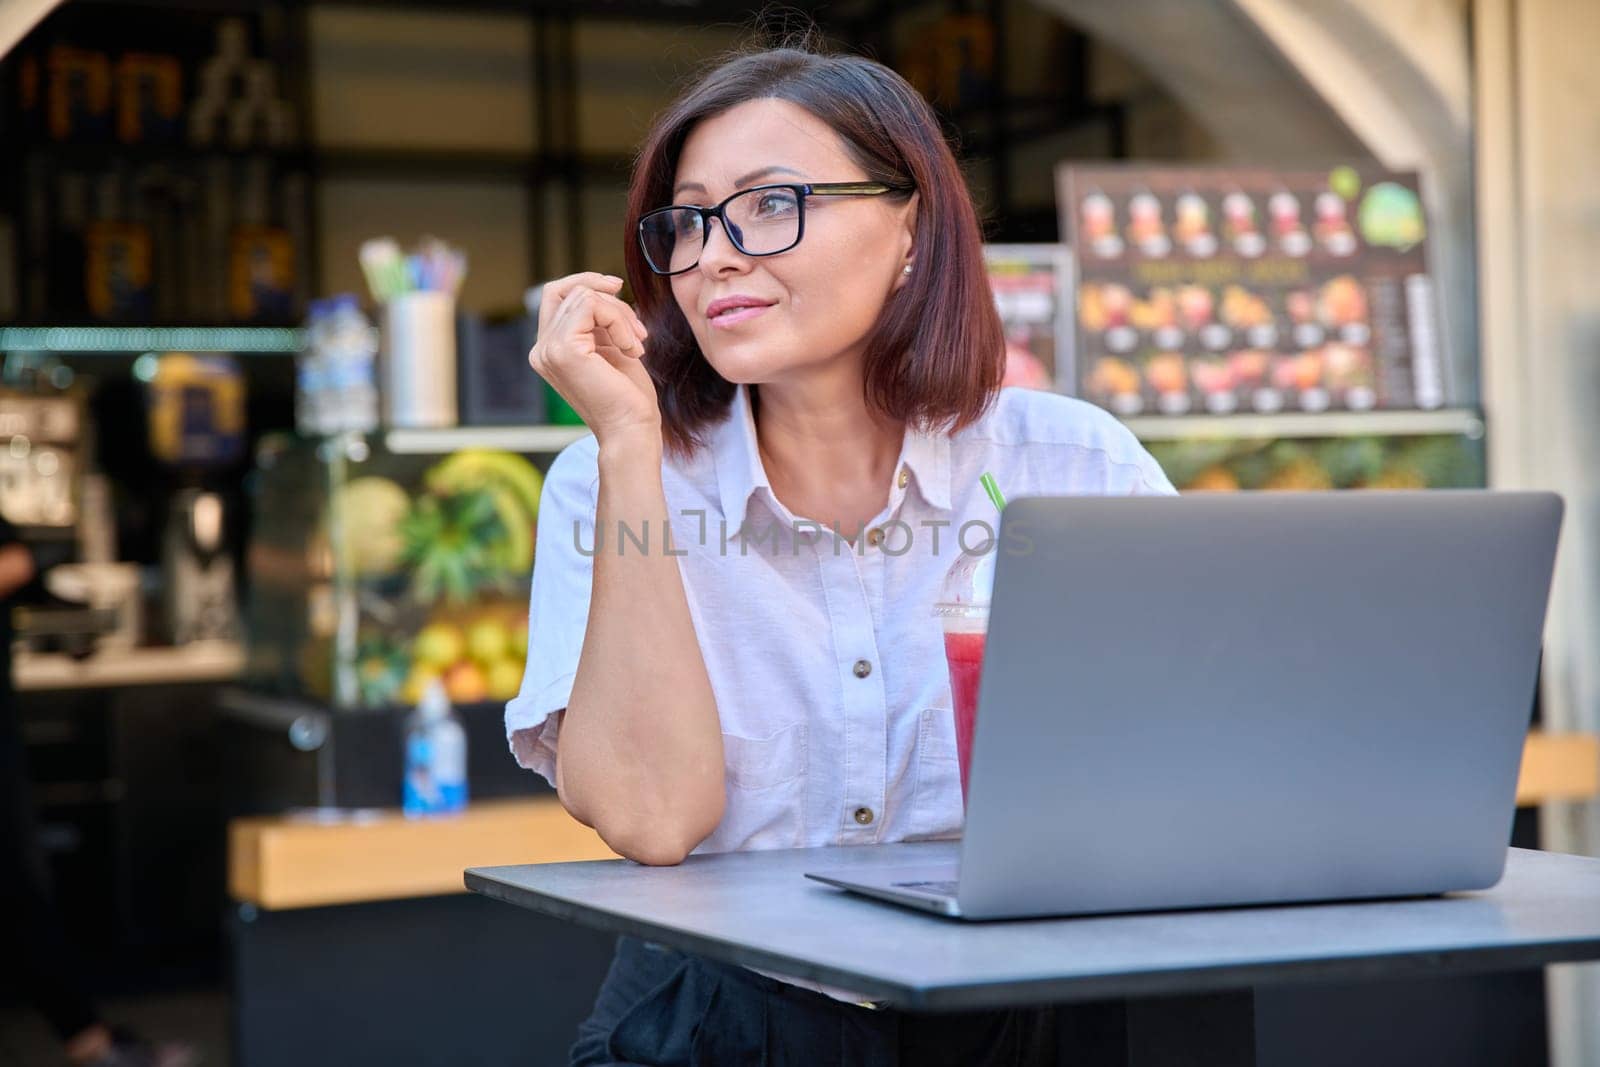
[[1210, 701]]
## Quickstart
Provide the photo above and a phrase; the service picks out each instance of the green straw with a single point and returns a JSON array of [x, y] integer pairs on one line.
[[995, 496]]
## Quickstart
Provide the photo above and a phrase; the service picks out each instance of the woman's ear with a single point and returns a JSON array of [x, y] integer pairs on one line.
[[908, 240], [908, 220]]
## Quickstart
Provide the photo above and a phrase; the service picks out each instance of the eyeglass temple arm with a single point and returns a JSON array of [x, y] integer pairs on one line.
[[853, 189]]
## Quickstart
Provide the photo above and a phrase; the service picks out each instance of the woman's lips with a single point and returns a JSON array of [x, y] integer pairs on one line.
[[734, 316]]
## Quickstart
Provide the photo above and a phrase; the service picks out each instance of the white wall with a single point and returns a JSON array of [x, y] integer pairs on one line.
[[1539, 201]]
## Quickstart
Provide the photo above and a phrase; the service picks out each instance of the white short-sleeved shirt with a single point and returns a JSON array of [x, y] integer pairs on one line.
[[825, 659]]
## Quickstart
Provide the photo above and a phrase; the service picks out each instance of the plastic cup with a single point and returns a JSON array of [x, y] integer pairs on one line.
[[964, 638], [963, 612]]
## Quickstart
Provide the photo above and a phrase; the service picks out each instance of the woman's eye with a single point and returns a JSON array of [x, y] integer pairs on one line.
[[687, 225], [772, 204]]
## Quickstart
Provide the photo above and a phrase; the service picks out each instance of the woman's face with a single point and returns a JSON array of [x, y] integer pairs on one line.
[[815, 303]]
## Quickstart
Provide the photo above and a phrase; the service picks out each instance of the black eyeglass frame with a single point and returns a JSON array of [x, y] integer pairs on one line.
[[802, 191]]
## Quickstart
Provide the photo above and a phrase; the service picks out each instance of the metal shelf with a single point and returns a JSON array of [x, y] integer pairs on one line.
[[1461, 421], [545, 439], [551, 439], [135, 339], [175, 153]]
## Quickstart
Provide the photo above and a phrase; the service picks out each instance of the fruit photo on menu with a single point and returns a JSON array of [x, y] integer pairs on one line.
[[1251, 290]]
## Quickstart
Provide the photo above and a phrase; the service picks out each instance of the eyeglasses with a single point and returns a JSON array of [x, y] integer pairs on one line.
[[762, 221]]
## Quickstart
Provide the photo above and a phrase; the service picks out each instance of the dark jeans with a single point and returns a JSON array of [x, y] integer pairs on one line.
[[30, 928], [662, 1008]]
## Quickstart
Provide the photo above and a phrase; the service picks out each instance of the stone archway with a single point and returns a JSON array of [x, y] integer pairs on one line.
[[17, 17]]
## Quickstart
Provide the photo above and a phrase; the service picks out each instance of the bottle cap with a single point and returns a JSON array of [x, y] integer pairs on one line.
[[434, 704]]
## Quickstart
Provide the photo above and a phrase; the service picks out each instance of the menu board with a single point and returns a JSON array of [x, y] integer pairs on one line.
[[1033, 293], [1212, 290]]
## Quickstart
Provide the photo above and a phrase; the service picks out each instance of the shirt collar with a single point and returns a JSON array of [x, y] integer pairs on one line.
[[927, 455], [740, 471]]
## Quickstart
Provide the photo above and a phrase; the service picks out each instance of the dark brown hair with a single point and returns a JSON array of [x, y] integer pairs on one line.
[[935, 359]]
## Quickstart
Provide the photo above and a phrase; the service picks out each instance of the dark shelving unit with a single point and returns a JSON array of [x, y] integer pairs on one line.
[[986, 130], [56, 191]]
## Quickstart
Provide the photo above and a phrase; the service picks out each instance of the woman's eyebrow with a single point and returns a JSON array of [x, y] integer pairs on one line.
[[696, 187]]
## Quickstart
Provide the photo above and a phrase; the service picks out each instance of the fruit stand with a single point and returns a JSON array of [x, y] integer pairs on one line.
[[386, 570], [1364, 461], [378, 564]]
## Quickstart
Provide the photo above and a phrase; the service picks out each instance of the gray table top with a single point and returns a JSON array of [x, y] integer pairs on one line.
[[757, 909]]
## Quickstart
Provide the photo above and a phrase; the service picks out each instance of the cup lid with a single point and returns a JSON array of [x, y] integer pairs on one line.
[[947, 610], [968, 585]]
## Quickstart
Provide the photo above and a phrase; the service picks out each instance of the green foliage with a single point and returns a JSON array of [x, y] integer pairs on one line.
[[452, 545]]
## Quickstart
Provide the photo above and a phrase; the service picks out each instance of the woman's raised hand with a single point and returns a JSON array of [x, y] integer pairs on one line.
[[590, 348]]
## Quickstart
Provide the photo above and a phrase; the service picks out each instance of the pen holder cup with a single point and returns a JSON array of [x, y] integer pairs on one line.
[[418, 369]]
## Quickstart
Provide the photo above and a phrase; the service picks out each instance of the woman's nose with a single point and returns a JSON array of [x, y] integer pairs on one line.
[[719, 251]]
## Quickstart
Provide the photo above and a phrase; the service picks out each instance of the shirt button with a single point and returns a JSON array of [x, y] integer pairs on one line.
[[905, 476], [864, 816], [862, 668], [875, 536]]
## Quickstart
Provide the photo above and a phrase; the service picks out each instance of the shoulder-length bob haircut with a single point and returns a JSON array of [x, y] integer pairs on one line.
[[936, 355]]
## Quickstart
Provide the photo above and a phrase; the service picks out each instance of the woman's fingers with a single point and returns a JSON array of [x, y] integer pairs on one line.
[[622, 316], [606, 318], [556, 292], [581, 317], [603, 344], [620, 339]]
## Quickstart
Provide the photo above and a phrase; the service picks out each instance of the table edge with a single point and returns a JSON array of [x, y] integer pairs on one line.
[[1177, 981]]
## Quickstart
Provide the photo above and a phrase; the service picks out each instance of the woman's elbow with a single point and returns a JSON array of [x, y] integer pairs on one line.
[[651, 852], [665, 840]]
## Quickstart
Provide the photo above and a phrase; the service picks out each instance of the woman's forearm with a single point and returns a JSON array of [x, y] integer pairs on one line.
[[640, 750]]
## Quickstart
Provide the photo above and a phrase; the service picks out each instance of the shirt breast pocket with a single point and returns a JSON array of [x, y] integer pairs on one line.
[[766, 782], [936, 808]]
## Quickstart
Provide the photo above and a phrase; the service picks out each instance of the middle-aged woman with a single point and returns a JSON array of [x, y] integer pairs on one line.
[[808, 394]]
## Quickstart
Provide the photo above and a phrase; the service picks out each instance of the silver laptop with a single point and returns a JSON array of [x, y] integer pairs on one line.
[[1223, 700]]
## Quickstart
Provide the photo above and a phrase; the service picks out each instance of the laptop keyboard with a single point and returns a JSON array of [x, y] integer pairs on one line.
[[940, 889]]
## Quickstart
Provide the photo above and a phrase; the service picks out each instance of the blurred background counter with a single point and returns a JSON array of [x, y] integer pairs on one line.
[[370, 895], [200, 663]]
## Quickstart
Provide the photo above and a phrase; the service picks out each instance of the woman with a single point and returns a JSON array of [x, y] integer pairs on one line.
[[814, 366]]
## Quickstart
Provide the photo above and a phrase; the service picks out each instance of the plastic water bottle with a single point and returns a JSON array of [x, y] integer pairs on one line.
[[337, 385], [436, 757], [311, 389], [352, 378]]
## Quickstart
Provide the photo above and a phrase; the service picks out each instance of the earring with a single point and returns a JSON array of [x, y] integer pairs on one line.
[[908, 269]]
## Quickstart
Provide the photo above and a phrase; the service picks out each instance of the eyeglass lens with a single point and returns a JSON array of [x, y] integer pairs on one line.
[[759, 222]]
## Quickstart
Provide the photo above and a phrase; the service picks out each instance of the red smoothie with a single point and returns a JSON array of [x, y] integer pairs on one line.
[[965, 655]]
